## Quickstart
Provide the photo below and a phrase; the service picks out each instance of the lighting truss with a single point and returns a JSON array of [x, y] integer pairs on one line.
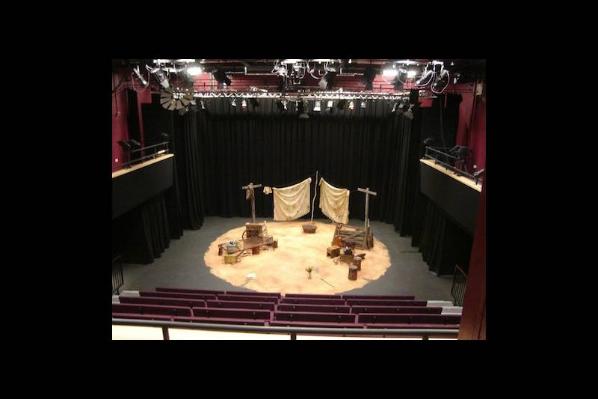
[[323, 95]]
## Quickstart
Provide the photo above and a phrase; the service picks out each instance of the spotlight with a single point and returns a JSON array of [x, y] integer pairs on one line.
[[327, 80], [203, 106], [341, 104], [282, 105], [409, 112], [143, 81], [234, 102], [368, 78], [427, 77], [244, 103], [395, 107], [254, 102], [390, 72], [411, 73], [162, 78], [317, 106], [351, 105], [221, 77], [194, 70], [363, 104], [302, 109], [441, 82], [330, 104], [403, 106]]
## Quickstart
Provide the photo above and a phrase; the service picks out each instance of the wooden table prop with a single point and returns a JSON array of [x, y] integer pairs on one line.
[[333, 251], [231, 258], [352, 272], [309, 228]]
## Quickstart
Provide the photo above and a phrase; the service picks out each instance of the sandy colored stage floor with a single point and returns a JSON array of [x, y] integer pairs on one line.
[[283, 269]]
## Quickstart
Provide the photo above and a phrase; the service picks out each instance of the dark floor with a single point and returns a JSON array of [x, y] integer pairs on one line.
[[182, 266]]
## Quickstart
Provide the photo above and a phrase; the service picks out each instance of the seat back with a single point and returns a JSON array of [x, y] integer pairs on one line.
[[248, 298], [290, 307], [169, 294], [310, 316], [149, 300], [384, 302], [240, 305], [251, 293], [396, 309], [189, 290], [232, 313], [313, 301], [386, 297], [150, 309], [316, 296]]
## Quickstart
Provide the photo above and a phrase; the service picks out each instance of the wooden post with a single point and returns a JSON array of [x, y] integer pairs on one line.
[[367, 204], [250, 188]]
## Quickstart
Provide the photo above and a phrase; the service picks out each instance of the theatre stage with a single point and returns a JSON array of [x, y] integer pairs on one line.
[[182, 264], [283, 269]]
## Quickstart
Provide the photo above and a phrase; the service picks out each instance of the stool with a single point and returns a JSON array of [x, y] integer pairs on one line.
[[230, 259], [346, 258], [357, 262], [275, 244], [352, 272]]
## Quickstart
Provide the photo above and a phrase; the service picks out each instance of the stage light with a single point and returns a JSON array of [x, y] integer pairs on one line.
[[327, 81], [330, 104], [221, 77], [234, 102], [317, 106], [302, 109], [409, 112], [351, 105], [282, 105], [411, 73], [162, 78], [140, 77], [368, 78], [244, 103], [441, 82], [390, 72], [394, 107], [194, 70], [363, 104], [427, 77]]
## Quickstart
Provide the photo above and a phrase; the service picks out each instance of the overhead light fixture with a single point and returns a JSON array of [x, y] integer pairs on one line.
[[282, 105], [394, 107], [244, 103], [351, 105], [302, 109], [317, 106], [368, 78], [140, 77], [427, 76], [194, 70], [390, 72], [330, 104], [234, 102], [362, 104], [409, 112], [327, 81], [221, 77], [161, 76], [411, 73], [441, 82]]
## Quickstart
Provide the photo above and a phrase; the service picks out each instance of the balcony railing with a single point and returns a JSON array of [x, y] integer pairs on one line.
[[459, 284]]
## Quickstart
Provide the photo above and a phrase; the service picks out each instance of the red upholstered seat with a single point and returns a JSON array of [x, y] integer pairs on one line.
[[249, 298], [314, 301], [177, 295], [240, 305], [151, 309], [376, 318], [231, 313], [291, 307], [189, 290], [316, 296], [148, 300], [394, 297], [317, 324], [385, 302], [396, 309], [142, 316], [250, 293], [310, 316], [413, 326], [222, 320]]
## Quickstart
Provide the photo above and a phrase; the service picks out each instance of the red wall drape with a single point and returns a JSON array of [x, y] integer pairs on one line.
[[471, 130]]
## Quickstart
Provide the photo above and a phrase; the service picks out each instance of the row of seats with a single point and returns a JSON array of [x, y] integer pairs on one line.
[[308, 310]]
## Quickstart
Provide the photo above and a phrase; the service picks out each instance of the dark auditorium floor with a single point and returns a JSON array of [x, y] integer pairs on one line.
[[177, 267]]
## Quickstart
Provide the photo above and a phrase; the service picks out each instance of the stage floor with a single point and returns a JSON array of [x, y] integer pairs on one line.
[[283, 269], [183, 264]]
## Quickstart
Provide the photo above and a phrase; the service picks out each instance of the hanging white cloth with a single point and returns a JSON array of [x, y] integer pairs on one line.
[[291, 202], [334, 202]]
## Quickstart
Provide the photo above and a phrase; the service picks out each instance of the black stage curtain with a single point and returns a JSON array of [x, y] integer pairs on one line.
[[143, 233], [372, 148]]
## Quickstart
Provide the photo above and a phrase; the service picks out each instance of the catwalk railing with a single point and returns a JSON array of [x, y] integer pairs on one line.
[[424, 333], [118, 278], [458, 287], [154, 151], [457, 164]]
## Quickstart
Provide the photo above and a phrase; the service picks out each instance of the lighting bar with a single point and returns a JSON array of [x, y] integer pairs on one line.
[[312, 96]]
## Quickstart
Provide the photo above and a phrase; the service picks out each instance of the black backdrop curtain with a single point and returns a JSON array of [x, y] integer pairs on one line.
[[372, 148]]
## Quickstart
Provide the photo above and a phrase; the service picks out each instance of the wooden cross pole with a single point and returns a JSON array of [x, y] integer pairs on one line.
[[250, 187], [367, 203]]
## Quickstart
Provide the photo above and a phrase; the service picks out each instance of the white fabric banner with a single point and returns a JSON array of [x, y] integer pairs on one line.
[[334, 202], [291, 202]]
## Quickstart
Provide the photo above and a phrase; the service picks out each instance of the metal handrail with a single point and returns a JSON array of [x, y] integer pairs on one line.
[[165, 144], [448, 165], [425, 333], [458, 287]]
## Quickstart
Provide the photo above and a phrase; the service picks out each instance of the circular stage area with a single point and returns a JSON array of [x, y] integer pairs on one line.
[[283, 269]]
